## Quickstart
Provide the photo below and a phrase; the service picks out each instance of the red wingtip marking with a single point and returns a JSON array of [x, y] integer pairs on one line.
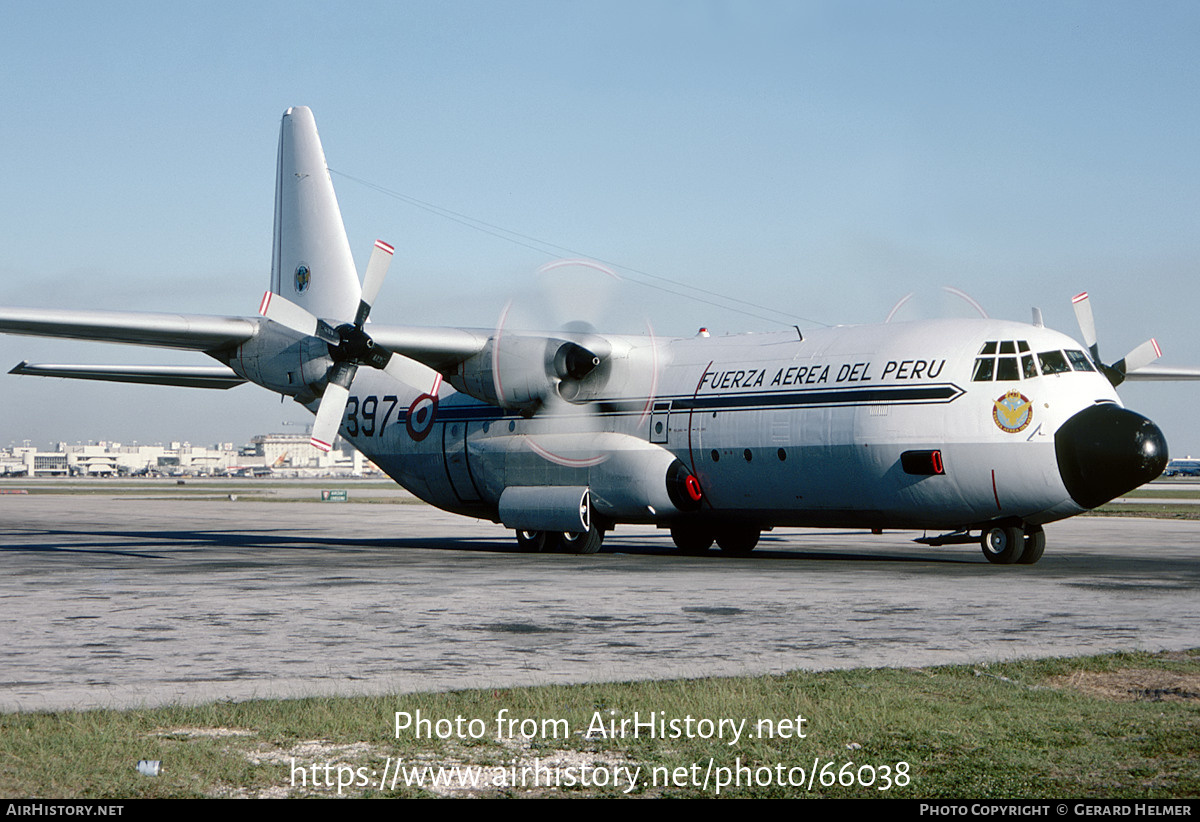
[[316, 443], [1080, 296], [1157, 350], [382, 246], [266, 301]]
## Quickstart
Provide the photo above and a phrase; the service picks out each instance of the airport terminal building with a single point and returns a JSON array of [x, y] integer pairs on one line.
[[266, 454]]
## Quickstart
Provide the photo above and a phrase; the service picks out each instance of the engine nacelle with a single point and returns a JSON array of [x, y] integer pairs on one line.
[[277, 359], [519, 372]]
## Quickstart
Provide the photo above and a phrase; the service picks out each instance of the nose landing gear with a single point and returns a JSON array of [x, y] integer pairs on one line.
[[1013, 544]]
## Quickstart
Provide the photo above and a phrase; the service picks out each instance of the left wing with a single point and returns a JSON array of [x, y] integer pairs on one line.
[[442, 349]]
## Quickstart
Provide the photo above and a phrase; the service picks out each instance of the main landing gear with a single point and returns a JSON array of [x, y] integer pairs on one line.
[[694, 539], [535, 542], [1009, 544]]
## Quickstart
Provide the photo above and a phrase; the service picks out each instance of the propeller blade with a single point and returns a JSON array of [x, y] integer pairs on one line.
[[1139, 357], [381, 258], [1087, 322], [285, 312], [411, 372], [333, 405]]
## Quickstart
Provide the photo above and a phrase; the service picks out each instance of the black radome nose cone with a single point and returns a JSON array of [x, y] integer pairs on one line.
[[1105, 451]]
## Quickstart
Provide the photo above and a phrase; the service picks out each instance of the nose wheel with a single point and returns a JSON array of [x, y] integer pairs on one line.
[[1013, 544]]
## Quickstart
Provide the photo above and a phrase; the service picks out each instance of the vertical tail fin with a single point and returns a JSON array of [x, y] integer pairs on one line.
[[311, 263]]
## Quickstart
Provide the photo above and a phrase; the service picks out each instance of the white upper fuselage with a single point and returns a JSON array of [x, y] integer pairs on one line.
[[779, 430]]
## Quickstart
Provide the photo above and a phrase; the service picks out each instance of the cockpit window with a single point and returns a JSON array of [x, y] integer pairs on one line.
[[1080, 361], [1006, 368], [1053, 362], [988, 366], [1028, 366]]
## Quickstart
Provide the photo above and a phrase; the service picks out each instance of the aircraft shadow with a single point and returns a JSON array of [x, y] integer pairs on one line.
[[97, 541], [155, 544]]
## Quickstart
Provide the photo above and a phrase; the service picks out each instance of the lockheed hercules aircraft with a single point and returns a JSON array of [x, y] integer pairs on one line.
[[973, 429]]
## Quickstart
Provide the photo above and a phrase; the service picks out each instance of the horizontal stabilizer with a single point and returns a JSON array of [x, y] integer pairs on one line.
[[1163, 373], [189, 376], [191, 332]]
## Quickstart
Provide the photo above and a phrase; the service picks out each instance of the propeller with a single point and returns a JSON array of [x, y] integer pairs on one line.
[[1116, 373], [349, 345], [944, 307], [565, 378]]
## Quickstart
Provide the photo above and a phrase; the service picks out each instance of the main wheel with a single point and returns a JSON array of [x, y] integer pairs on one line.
[[1035, 544], [1003, 545], [691, 538], [531, 542], [587, 542], [738, 540]]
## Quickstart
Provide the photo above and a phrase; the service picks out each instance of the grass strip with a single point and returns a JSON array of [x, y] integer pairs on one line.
[[1114, 726]]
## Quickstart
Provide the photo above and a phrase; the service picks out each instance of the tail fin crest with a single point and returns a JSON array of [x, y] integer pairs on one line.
[[311, 263]]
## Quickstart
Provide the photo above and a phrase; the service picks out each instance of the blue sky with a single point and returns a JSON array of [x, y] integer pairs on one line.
[[821, 159]]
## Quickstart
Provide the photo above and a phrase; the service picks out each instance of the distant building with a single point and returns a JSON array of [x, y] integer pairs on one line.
[[286, 454]]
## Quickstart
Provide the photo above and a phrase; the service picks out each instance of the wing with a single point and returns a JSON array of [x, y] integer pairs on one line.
[[442, 349]]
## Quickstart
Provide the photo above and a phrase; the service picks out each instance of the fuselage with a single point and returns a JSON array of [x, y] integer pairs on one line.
[[942, 425]]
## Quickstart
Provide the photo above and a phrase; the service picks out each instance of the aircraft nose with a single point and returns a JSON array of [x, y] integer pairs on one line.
[[1105, 450]]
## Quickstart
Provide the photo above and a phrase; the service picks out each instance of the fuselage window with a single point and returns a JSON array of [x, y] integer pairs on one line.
[[1080, 361], [1028, 366], [988, 348], [1006, 369], [983, 369], [1022, 346], [1053, 362], [1008, 347]]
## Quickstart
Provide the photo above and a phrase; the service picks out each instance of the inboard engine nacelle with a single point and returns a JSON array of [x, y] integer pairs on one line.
[[522, 373]]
